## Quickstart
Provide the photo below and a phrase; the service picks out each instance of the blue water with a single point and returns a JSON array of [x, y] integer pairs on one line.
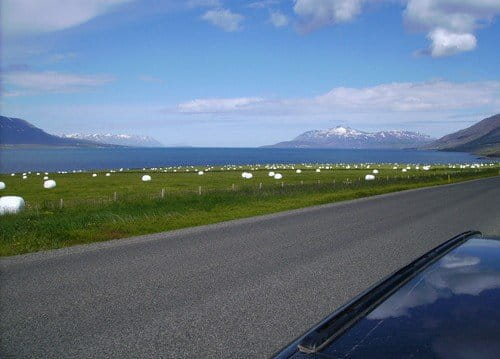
[[51, 159]]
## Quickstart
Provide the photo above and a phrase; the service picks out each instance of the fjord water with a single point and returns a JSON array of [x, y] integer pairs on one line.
[[66, 159]]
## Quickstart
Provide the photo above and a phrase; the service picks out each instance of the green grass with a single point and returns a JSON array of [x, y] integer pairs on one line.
[[90, 212]]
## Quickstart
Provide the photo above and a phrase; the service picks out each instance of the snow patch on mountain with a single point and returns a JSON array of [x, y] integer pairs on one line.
[[117, 139], [346, 137]]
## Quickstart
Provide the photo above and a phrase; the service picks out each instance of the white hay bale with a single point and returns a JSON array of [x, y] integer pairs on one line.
[[146, 178], [247, 175], [108, 174], [25, 177], [11, 204], [375, 171], [2, 185], [45, 178], [298, 171], [369, 177], [271, 174], [318, 170], [404, 170], [278, 176], [12, 174], [49, 184], [426, 168], [94, 174], [201, 173]]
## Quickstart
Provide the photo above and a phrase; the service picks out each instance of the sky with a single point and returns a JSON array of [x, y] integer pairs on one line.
[[233, 73]]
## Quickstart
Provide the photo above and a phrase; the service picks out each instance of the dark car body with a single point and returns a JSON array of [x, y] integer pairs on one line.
[[445, 304]]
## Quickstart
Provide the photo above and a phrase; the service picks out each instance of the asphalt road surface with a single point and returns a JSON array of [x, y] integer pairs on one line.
[[238, 289]]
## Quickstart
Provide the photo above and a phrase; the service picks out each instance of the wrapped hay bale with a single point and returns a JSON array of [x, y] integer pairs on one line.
[[11, 204], [369, 177], [2, 185], [201, 173], [375, 171], [271, 174], [278, 176], [298, 171], [45, 178], [94, 174], [108, 174], [146, 178], [49, 184]]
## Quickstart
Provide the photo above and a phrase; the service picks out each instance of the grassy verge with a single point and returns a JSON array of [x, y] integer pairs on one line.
[[90, 212]]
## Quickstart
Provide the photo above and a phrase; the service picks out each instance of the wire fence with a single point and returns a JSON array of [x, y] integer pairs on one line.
[[257, 189]]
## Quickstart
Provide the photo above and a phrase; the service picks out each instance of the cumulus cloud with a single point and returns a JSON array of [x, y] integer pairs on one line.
[[445, 43], [278, 19], [219, 105], [450, 24], [26, 17], [224, 18], [28, 82], [317, 13], [391, 97]]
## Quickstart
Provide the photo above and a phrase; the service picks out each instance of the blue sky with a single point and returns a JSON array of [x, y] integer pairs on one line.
[[248, 73]]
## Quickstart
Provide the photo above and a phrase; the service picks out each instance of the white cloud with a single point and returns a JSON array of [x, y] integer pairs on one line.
[[392, 97], [27, 82], [219, 105], [25, 17], [224, 18], [450, 24], [445, 43], [278, 19], [317, 13]]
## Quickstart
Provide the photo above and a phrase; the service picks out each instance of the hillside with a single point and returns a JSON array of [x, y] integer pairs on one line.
[[15, 131], [346, 137], [482, 138]]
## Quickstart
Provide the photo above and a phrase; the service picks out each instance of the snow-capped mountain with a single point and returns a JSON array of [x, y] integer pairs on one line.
[[346, 137], [120, 140]]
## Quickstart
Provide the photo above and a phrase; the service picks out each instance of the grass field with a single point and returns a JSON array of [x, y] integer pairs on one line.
[[84, 209]]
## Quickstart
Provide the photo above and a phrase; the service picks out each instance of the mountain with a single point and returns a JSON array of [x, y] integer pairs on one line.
[[481, 138], [346, 137], [120, 140], [15, 131]]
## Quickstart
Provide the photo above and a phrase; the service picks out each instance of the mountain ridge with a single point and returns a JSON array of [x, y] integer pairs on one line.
[[482, 138], [116, 139], [346, 137]]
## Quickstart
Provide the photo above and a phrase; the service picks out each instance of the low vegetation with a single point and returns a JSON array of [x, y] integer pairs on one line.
[[83, 208]]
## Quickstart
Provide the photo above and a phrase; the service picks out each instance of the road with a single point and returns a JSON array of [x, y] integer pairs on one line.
[[241, 289]]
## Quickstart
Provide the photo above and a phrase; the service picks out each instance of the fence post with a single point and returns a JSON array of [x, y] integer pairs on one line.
[[61, 203], [163, 193], [449, 179], [114, 196], [260, 185], [232, 187], [302, 182], [282, 184], [199, 190]]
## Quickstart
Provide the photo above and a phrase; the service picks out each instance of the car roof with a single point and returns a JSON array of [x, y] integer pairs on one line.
[[447, 307]]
